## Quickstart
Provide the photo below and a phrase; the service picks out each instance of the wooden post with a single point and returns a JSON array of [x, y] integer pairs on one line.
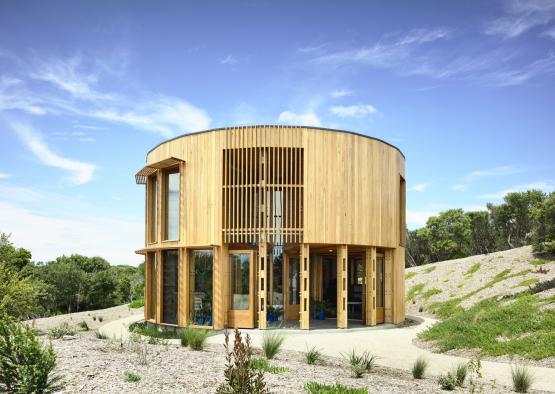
[[388, 285], [219, 304], [398, 278], [305, 287], [262, 283], [148, 289], [370, 286], [159, 282], [342, 310]]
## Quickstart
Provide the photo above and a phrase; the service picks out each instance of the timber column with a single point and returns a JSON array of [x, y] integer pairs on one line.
[[370, 271], [262, 293], [342, 305], [305, 287]]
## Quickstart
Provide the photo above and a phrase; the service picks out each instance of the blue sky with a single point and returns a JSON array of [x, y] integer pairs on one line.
[[465, 89]]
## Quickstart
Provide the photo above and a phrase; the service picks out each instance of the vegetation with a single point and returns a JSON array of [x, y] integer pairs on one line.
[[271, 343], [447, 382], [320, 388], [430, 269], [194, 337], [528, 282], [360, 363], [61, 330], [410, 275], [419, 368], [430, 292], [524, 218], [522, 379], [137, 304], [313, 356], [131, 377], [460, 374], [530, 332], [141, 328], [473, 269], [67, 284], [83, 325], [25, 364], [240, 375], [263, 365], [414, 290]]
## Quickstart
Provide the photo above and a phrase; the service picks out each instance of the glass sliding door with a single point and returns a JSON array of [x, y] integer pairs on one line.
[[200, 285], [170, 269], [241, 284], [292, 275]]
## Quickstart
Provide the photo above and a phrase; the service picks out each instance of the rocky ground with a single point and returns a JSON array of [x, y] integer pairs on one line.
[[91, 365]]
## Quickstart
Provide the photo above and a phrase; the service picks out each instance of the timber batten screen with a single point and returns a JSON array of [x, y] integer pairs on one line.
[[263, 192]]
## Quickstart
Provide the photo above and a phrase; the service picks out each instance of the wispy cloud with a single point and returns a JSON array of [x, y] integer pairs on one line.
[[229, 59], [459, 186], [546, 186], [88, 127], [418, 218], [550, 33], [492, 172], [519, 76], [3, 175], [520, 17], [354, 111], [340, 93], [419, 187], [304, 119], [81, 172]]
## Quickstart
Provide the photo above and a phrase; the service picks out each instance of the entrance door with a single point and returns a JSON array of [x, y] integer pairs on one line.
[[241, 289], [380, 288], [292, 288]]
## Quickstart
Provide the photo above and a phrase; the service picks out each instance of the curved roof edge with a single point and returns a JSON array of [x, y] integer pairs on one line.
[[278, 125]]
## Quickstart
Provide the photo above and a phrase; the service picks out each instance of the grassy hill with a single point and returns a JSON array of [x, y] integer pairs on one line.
[[497, 304]]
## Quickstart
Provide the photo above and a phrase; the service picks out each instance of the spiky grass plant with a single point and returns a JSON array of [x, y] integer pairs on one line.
[[522, 379], [313, 356], [271, 344], [419, 367]]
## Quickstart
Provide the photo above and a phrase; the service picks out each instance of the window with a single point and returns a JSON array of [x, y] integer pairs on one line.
[[277, 275], [152, 271], [380, 288], [402, 212], [170, 286], [171, 211], [294, 281], [200, 297], [152, 208], [240, 281]]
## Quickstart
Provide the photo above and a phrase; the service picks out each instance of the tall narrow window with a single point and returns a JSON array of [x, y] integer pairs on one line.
[[200, 297], [171, 222], [152, 208], [240, 280], [402, 212], [380, 279], [170, 286], [152, 274]]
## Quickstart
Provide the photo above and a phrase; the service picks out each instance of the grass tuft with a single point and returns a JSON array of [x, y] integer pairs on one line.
[[83, 326], [419, 368], [538, 262], [313, 356], [473, 269], [522, 379], [528, 282], [263, 365], [414, 290], [131, 377], [136, 304], [320, 388], [430, 269], [60, 330], [410, 275], [271, 343], [460, 374]]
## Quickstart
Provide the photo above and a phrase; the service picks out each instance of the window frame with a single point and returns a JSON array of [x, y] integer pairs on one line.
[[166, 172]]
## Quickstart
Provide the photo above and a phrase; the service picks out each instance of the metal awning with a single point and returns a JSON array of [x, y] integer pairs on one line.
[[146, 171]]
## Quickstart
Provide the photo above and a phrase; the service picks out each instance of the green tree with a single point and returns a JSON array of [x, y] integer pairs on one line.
[[482, 233], [418, 250], [543, 236], [17, 258], [449, 235]]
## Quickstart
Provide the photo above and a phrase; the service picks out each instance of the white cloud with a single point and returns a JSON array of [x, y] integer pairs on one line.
[[417, 219], [305, 119], [80, 172], [229, 59], [353, 111], [521, 75], [340, 93], [419, 187], [550, 33], [87, 139], [87, 127], [81, 235], [546, 186], [487, 173], [522, 16], [3, 175], [459, 186]]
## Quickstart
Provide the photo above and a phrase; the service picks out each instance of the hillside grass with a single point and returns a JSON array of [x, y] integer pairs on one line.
[[514, 326]]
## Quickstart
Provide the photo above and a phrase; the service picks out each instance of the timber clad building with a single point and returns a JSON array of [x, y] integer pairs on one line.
[[274, 225]]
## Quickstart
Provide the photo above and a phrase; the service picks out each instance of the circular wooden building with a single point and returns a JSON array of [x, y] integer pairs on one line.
[[246, 226]]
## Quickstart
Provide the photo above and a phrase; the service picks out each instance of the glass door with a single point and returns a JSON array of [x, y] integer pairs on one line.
[[241, 286], [292, 281], [380, 288]]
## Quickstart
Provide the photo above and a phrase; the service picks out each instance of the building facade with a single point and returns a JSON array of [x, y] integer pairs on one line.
[[246, 226]]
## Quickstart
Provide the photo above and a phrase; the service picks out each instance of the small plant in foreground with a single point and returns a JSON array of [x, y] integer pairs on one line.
[[320, 388], [100, 319], [131, 377], [240, 375], [419, 367], [522, 379], [99, 335], [271, 344], [195, 338], [447, 382], [360, 363], [475, 374], [136, 304], [60, 330], [83, 326], [313, 356], [263, 365], [25, 364], [460, 374]]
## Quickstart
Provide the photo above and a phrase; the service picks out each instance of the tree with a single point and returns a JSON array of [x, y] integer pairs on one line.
[[17, 258], [482, 233], [449, 235], [418, 250], [543, 216]]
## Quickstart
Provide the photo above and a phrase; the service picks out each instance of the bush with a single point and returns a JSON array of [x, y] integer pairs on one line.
[[131, 377], [271, 344], [154, 333], [84, 326], [319, 388], [522, 379], [263, 365], [460, 374], [25, 364], [136, 304], [419, 367], [447, 382], [313, 356], [195, 338], [360, 363], [60, 330], [240, 375]]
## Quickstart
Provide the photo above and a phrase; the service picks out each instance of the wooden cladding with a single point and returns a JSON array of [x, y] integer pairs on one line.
[[263, 193]]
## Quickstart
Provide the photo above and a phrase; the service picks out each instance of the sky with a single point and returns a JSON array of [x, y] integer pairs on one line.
[[465, 89]]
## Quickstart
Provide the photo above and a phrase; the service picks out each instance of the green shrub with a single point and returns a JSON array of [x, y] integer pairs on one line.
[[447, 382], [428, 293], [25, 364], [473, 269], [320, 388], [263, 365], [141, 328], [538, 262], [460, 374], [271, 343], [194, 337], [419, 367], [313, 356], [131, 377], [240, 375], [522, 379], [360, 363], [60, 330], [136, 304], [84, 326]]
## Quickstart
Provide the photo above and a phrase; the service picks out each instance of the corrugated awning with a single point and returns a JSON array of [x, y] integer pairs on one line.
[[146, 171]]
